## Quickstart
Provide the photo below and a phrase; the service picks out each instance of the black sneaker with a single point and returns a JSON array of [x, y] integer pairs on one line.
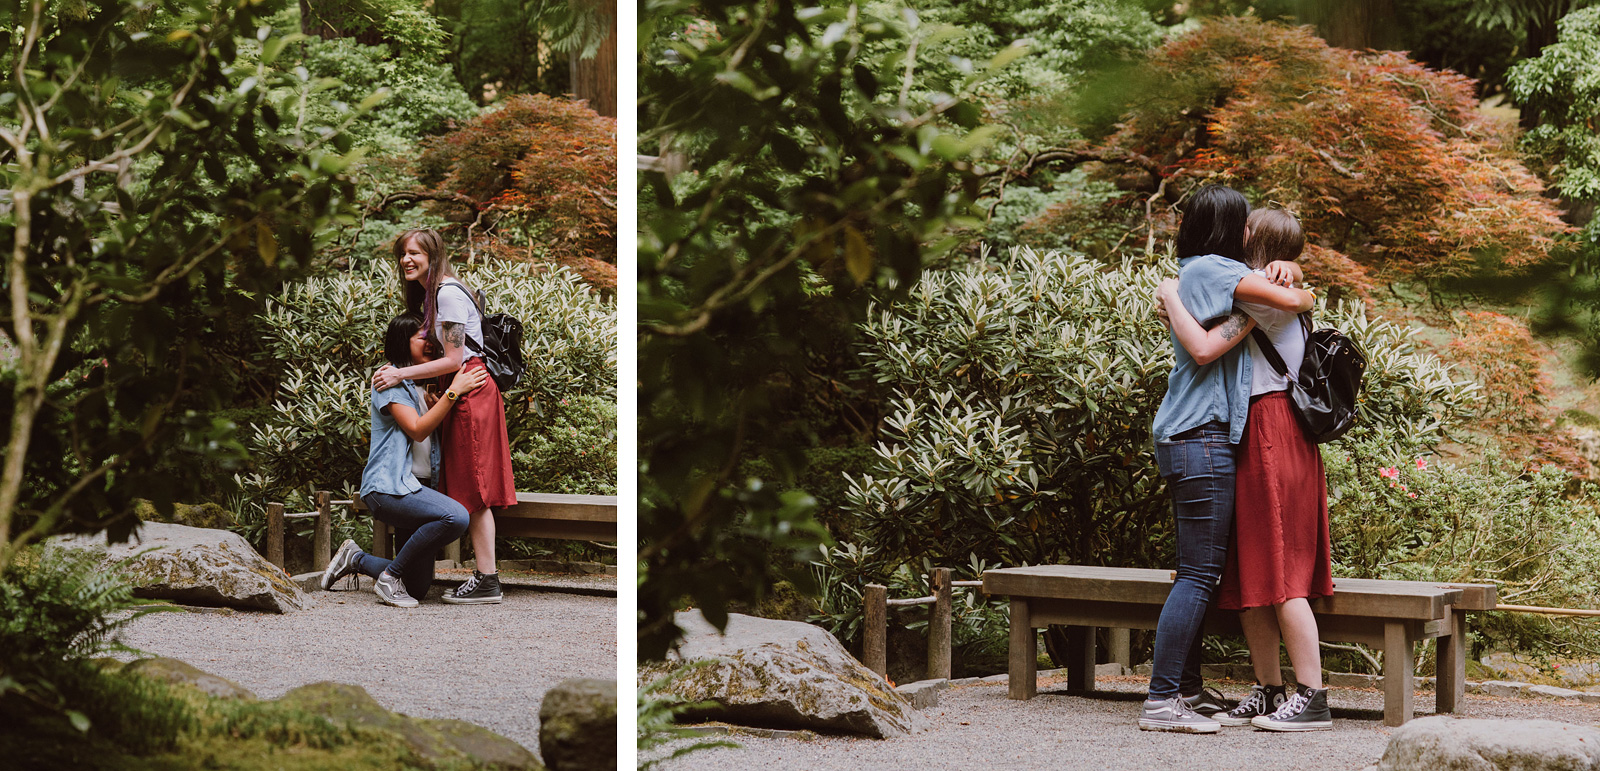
[[342, 564], [1263, 700], [480, 589], [1208, 702], [1306, 710]]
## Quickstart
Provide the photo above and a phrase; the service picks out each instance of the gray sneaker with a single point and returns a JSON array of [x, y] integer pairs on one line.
[[1306, 710], [342, 564], [392, 591], [1263, 700], [1175, 714]]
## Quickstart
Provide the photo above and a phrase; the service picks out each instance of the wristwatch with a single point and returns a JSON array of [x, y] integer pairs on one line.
[[451, 395]]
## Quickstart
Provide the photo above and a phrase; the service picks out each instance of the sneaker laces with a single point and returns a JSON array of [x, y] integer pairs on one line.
[[1181, 708], [1254, 704], [1292, 707], [468, 586]]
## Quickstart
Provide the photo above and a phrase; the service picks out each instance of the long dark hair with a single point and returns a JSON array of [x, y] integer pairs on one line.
[[1213, 223], [397, 338], [422, 296]]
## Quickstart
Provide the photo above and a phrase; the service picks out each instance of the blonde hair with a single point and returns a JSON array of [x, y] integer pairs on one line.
[[1275, 234]]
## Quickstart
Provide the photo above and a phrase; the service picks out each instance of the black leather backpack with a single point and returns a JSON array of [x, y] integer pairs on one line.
[[1328, 385], [501, 349]]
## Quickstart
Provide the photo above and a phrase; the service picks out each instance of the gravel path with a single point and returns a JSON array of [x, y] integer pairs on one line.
[[976, 726], [486, 664]]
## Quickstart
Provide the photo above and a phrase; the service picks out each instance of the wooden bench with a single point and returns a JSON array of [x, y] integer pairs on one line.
[[535, 515], [1388, 615]]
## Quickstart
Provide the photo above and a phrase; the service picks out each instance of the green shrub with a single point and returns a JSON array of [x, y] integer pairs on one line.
[[1398, 513], [424, 98]]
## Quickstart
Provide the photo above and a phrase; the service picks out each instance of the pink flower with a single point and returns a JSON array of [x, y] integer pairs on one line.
[[1411, 495], [1403, 489], [1421, 464], [1392, 484], [1389, 473]]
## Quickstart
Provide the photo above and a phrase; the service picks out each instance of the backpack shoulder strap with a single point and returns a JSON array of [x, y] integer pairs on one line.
[[471, 343], [1269, 350]]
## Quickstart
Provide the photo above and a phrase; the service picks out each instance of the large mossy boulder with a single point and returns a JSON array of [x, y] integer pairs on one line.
[[197, 566], [578, 725], [780, 674], [169, 670], [1453, 744], [439, 743]]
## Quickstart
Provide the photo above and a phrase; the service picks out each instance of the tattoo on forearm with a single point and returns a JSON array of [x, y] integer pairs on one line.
[[455, 334], [1234, 326]]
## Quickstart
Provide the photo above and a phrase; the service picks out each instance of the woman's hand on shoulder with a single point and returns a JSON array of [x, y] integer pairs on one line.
[[1284, 272], [386, 377], [1166, 291]]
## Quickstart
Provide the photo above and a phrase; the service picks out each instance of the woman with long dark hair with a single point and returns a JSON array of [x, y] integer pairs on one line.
[[402, 464], [1197, 432], [477, 449]]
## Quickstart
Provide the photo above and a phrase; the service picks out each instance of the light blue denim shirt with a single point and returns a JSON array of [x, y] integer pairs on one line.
[[389, 456], [1197, 394]]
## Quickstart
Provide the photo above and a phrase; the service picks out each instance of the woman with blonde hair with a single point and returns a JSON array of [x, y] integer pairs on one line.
[[476, 447]]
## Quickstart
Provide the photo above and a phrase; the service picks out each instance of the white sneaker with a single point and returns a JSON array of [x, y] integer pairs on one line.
[[392, 591], [342, 564], [1175, 714]]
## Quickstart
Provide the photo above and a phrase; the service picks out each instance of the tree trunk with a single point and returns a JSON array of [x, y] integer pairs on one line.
[[595, 79], [1355, 24]]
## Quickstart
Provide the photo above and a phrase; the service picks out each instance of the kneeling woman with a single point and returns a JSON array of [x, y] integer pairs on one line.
[[401, 455]]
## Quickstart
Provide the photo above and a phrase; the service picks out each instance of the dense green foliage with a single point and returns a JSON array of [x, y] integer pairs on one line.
[[153, 182], [791, 168]]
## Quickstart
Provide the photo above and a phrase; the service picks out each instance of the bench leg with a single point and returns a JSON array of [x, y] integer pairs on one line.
[[1080, 658], [1122, 648], [1398, 672], [1023, 668], [1451, 675], [381, 546]]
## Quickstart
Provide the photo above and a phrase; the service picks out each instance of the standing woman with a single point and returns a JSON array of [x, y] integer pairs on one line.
[[1197, 432], [477, 449]]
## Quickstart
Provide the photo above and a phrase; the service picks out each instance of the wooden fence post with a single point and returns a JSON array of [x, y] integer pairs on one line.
[[939, 626], [874, 628], [275, 534], [322, 540]]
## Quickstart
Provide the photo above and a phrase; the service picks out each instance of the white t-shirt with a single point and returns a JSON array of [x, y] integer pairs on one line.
[[454, 305], [421, 458], [1283, 329]]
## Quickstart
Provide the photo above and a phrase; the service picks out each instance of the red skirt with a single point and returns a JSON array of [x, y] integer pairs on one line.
[[1280, 548], [475, 449]]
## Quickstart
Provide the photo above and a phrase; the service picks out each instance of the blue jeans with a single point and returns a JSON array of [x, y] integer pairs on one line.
[[423, 522], [1199, 467]]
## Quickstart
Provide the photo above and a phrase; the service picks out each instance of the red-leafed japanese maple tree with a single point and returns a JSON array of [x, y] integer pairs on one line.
[[536, 175], [1386, 162]]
